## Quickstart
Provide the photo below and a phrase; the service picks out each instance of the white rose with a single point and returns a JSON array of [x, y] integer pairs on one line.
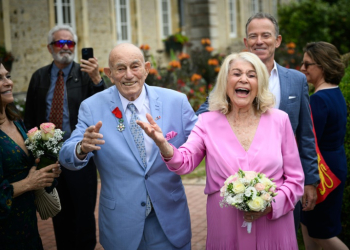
[[266, 182], [256, 204], [238, 187]]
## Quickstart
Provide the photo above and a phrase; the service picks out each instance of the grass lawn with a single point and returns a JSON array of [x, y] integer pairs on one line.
[[199, 172]]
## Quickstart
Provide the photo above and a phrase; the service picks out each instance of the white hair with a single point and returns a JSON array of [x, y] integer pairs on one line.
[[50, 37]]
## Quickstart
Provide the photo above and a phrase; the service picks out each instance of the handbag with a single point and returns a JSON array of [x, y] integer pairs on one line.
[[47, 204]]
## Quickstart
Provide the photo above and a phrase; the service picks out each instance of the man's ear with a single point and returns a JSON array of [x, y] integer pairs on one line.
[[278, 41], [245, 42], [147, 67], [108, 72]]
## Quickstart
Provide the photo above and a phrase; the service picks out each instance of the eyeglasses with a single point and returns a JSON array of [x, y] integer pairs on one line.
[[61, 43], [306, 65]]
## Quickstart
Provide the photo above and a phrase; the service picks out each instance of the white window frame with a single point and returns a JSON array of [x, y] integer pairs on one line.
[[125, 24], [233, 17], [255, 6], [274, 7], [167, 12], [60, 9]]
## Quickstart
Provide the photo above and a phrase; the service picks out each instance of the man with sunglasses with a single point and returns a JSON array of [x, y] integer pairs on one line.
[[54, 94], [292, 96]]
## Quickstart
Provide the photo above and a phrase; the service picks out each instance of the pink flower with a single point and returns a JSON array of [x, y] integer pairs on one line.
[[250, 175], [259, 187], [31, 133], [266, 197], [170, 135], [47, 130]]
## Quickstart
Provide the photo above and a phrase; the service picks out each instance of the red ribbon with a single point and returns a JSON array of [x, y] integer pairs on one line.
[[117, 113], [328, 180]]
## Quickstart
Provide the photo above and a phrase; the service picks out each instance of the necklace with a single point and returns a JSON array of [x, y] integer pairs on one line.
[[318, 87]]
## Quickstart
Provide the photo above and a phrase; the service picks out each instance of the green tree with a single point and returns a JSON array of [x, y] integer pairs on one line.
[[345, 214], [316, 20]]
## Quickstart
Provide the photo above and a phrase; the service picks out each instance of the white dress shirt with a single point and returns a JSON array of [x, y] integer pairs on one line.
[[274, 85], [142, 108]]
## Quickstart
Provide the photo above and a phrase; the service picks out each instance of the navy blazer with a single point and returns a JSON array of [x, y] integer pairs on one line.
[[295, 102]]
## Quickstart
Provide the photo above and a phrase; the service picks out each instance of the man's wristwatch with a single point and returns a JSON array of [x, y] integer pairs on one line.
[[79, 150]]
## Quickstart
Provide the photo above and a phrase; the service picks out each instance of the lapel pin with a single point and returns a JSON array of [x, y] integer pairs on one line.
[[157, 118]]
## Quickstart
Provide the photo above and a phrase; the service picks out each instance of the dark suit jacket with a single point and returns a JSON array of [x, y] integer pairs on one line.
[[79, 87], [295, 102]]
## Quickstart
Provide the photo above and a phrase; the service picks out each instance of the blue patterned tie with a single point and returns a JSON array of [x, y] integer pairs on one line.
[[137, 134]]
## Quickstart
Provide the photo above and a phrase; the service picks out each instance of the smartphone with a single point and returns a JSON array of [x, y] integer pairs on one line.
[[87, 53]]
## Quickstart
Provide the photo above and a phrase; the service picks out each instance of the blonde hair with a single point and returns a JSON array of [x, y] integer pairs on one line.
[[218, 99]]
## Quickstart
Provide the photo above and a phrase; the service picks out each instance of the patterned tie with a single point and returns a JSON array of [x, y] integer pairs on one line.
[[56, 113], [137, 134]]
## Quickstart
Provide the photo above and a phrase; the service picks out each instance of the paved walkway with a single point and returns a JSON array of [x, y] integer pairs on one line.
[[197, 201]]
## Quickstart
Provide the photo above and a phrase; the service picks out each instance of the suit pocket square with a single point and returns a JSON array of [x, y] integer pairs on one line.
[[292, 97], [170, 135]]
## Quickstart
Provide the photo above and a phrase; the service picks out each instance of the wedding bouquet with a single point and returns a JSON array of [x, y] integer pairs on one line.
[[248, 191], [45, 143]]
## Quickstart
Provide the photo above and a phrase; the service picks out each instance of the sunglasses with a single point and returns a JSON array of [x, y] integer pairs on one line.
[[306, 65], [61, 43]]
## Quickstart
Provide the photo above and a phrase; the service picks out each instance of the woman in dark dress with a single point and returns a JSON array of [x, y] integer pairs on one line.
[[18, 177], [324, 69]]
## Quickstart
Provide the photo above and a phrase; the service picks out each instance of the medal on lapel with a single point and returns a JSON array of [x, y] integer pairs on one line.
[[119, 115]]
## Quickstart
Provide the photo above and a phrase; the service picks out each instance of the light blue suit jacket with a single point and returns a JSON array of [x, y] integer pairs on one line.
[[295, 102], [124, 181]]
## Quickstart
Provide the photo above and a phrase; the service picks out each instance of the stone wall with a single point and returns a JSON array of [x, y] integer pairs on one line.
[[100, 30], [29, 21]]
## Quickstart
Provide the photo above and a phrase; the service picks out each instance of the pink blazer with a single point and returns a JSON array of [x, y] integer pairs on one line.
[[273, 152]]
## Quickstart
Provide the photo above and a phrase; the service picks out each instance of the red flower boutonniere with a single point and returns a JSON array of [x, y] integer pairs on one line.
[[119, 115]]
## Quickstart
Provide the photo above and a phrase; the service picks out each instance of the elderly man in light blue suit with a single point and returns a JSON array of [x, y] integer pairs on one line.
[[142, 204], [291, 92]]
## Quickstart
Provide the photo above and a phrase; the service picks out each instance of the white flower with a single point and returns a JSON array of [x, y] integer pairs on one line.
[[250, 192], [257, 204], [267, 182], [238, 198], [238, 187], [230, 200]]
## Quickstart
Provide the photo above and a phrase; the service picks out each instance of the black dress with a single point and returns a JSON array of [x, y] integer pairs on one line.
[[18, 221], [330, 113]]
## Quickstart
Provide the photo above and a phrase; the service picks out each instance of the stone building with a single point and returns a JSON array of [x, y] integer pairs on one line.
[[101, 24]]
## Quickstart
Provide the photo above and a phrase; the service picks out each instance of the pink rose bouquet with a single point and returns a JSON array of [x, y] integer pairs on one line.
[[248, 191], [45, 143]]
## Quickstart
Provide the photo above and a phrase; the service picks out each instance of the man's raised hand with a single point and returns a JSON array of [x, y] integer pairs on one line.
[[92, 138]]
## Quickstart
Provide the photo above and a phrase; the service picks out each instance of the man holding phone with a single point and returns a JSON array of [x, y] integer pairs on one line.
[[54, 95]]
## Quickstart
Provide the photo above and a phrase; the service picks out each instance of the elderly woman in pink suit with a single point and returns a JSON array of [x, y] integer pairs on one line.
[[241, 131]]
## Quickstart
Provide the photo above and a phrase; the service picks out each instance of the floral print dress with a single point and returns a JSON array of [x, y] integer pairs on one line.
[[18, 221]]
